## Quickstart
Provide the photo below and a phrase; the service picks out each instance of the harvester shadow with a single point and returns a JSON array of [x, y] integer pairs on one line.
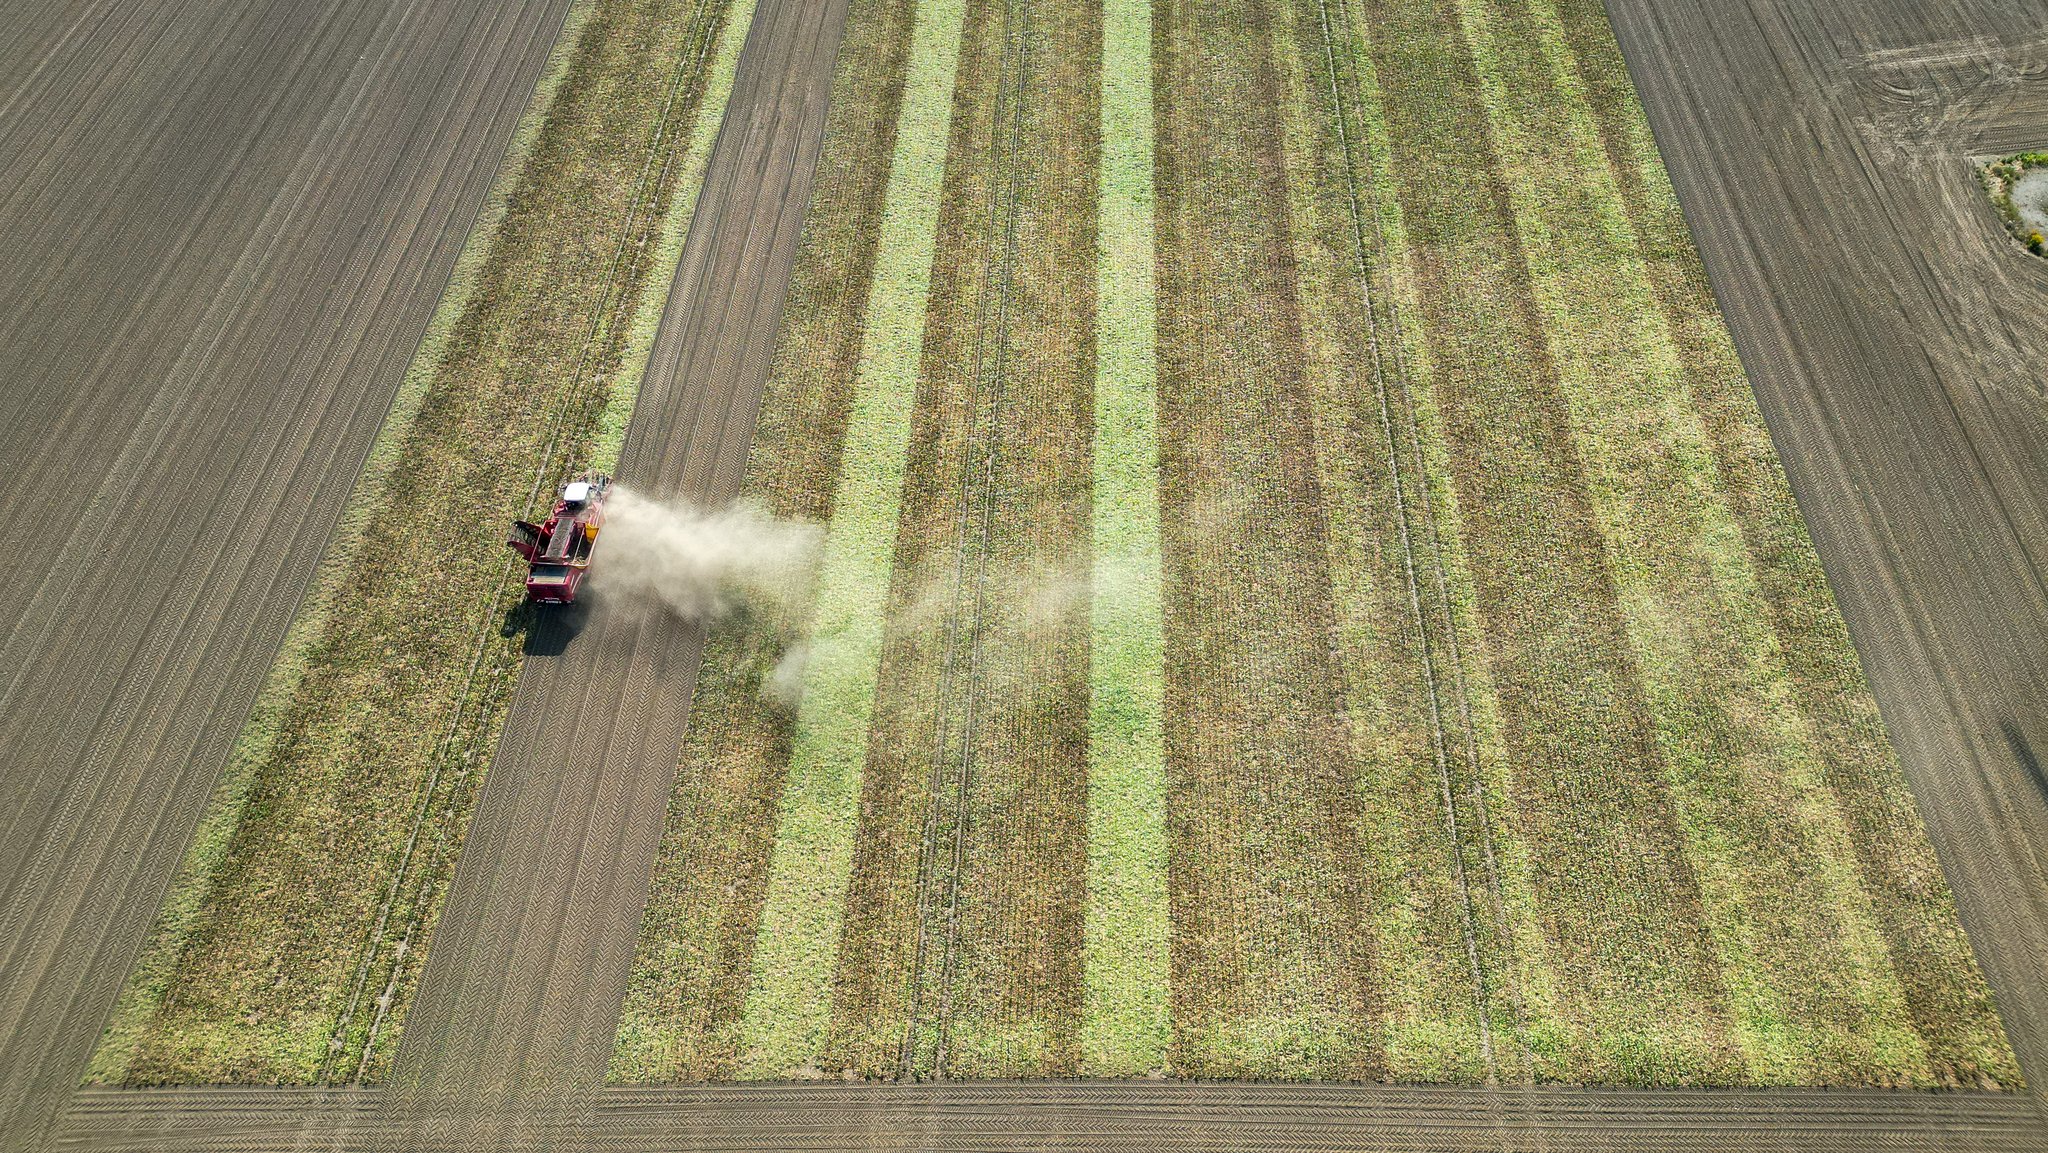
[[547, 629]]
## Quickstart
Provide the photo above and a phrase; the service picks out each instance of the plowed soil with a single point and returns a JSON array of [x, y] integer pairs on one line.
[[226, 227]]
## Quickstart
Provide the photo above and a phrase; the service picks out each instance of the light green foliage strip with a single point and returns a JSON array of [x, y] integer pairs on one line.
[[151, 978], [618, 409], [1125, 1021], [789, 1003], [1790, 922]]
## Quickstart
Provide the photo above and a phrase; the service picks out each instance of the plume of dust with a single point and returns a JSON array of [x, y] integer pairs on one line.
[[702, 563]]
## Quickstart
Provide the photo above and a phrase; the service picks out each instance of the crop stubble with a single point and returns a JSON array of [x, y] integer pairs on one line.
[[1503, 703]]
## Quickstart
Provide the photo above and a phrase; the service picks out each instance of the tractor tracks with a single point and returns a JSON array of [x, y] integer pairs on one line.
[[1116, 1116], [1386, 381], [988, 388]]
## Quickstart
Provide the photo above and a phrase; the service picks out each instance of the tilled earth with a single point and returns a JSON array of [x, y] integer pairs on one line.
[[226, 228], [1889, 325]]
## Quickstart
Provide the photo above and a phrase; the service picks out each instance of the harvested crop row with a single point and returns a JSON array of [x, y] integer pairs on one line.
[[695, 956], [290, 949], [1271, 960]]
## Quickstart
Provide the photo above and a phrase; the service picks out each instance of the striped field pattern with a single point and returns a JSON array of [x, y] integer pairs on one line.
[[1306, 594]]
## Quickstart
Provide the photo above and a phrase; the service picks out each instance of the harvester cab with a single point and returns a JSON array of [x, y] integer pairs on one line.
[[557, 550]]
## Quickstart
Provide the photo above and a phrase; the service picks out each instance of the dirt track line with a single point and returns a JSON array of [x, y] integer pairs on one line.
[[1383, 383]]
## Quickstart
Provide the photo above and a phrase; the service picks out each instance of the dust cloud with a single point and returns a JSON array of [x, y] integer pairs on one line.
[[700, 564]]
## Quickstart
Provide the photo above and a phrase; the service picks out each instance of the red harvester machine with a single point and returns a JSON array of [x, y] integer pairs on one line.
[[557, 551]]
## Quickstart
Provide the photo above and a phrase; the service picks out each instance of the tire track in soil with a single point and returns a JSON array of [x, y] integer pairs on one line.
[[513, 1026], [985, 412], [1391, 378]]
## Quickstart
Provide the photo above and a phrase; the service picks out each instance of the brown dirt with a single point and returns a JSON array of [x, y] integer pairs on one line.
[[229, 226]]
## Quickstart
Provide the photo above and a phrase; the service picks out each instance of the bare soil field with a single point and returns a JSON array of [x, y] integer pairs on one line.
[[226, 229]]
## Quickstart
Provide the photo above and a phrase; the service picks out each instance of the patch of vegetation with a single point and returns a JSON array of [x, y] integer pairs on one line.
[[1125, 1024], [2001, 180], [297, 929]]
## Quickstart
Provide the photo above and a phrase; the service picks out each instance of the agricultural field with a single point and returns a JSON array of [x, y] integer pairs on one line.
[[1306, 594]]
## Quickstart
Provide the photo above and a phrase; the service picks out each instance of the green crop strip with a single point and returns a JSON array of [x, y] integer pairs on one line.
[[294, 941], [1125, 1023], [788, 1005]]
